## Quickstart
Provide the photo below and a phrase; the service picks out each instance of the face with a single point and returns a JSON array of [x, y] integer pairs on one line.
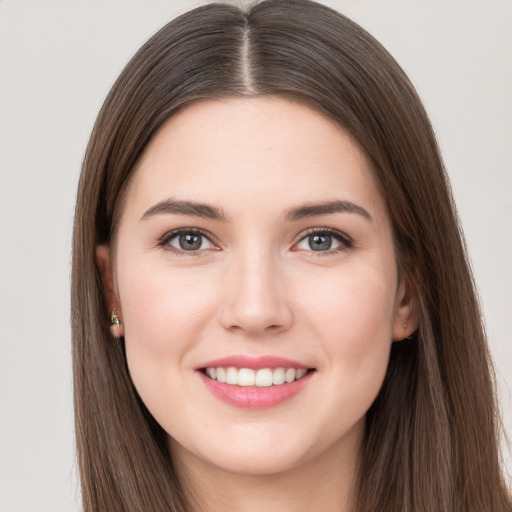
[[257, 283]]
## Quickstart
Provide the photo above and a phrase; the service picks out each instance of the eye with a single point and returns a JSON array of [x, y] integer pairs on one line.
[[324, 241], [187, 241]]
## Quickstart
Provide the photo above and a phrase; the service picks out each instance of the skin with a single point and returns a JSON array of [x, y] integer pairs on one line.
[[257, 288]]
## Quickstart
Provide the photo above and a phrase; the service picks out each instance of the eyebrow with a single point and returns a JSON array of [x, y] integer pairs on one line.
[[185, 208], [202, 210], [325, 208]]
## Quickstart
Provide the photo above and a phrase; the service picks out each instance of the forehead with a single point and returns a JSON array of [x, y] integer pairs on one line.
[[244, 152]]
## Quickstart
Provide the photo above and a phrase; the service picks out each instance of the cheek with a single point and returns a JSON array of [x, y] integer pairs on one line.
[[165, 314], [352, 314], [362, 301], [356, 336]]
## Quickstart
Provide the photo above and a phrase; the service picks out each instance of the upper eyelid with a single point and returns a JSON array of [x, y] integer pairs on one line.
[[330, 231], [341, 236], [164, 239], [345, 241]]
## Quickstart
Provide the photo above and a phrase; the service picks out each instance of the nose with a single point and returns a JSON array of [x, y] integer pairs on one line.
[[256, 301]]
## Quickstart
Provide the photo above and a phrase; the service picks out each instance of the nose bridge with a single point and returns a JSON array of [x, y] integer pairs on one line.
[[257, 296]]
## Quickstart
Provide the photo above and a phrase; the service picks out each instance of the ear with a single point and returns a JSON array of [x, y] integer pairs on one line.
[[103, 260], [407, 311]]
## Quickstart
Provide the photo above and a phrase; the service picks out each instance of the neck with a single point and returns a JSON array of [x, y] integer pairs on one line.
[[327, 483]]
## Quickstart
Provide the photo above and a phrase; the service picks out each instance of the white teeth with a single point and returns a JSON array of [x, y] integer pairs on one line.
[[221, 375], [289, 376], [265, 377], [231, 376], [278, 376], [246, 377], [301, 372]]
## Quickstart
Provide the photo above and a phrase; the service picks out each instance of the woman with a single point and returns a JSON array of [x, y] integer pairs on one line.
[[264, 221]]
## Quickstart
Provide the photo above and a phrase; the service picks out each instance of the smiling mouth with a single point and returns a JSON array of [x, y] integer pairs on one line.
[[262, 378]]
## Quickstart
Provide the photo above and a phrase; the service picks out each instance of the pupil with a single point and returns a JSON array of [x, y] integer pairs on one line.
[[320, 242], [190, 242]]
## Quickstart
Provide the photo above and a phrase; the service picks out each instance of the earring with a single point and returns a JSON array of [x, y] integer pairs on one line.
[[407, 338], [116, 326], [114, 319]]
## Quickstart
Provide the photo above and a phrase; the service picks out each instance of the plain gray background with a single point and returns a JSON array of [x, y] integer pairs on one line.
[[58, 60]]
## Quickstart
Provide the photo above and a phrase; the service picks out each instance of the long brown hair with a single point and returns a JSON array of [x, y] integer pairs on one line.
[[432, 434]]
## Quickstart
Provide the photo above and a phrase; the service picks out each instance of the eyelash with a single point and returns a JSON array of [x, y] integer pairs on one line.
[[164, 240], [345, 241]]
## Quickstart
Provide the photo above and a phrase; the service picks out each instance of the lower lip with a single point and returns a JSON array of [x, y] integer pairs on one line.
[[253, 397]]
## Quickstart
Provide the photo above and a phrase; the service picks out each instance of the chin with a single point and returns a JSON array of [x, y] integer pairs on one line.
[[255, 462], [268, 451]]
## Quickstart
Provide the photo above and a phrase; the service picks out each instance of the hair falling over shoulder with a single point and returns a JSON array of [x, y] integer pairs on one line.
[[432, 435]]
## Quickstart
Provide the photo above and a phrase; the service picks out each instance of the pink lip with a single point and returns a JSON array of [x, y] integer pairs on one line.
[[254, 397], [255, 363]]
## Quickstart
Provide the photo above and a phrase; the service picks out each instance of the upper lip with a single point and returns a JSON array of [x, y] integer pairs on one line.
[[255, 363]]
